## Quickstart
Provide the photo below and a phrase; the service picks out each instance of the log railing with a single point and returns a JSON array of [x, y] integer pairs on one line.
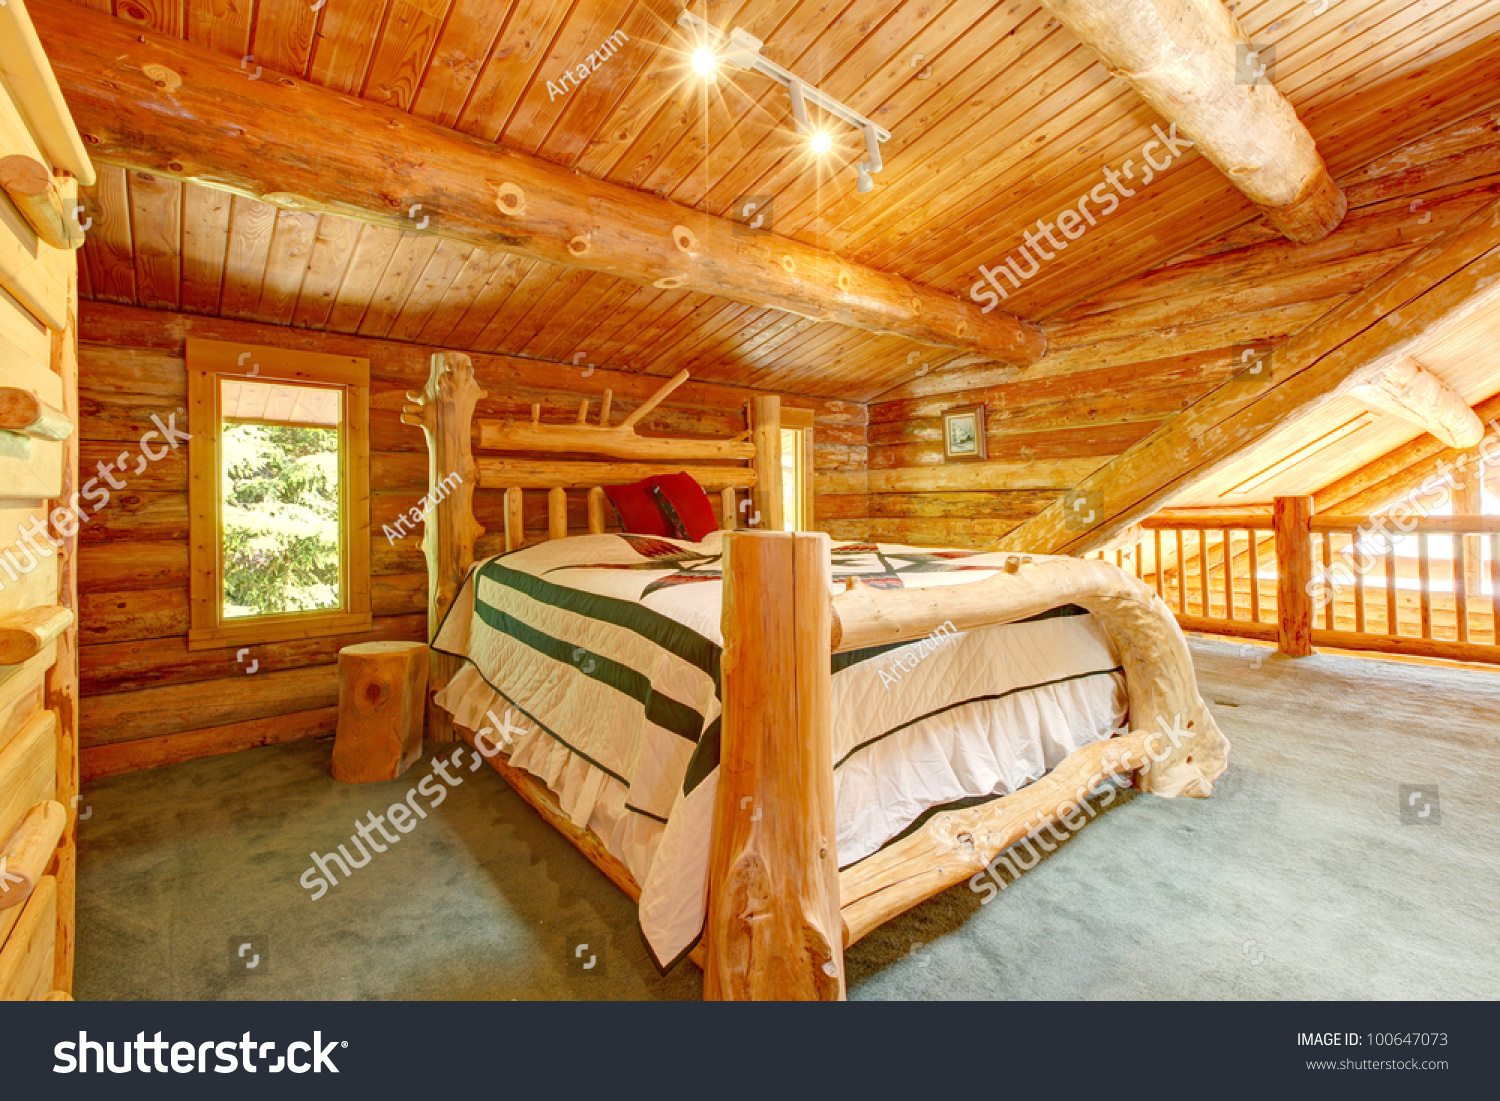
[[1290, 576], [1432, 592], [1210, 570]]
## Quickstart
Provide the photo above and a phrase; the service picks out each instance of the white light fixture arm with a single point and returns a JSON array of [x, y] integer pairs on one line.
[[873, 163], [799, 108]]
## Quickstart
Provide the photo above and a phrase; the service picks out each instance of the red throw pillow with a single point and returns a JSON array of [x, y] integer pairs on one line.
[[637, 509], [682, 495]]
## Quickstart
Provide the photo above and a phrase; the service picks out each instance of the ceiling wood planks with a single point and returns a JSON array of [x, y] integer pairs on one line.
[[157, 104], [1000, 116]]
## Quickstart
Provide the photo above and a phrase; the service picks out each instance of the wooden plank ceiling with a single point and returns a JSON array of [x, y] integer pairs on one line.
[[1000, 117]]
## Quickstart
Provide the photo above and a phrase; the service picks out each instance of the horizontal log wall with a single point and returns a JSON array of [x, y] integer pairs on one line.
[[1148, 348], [147, 699]]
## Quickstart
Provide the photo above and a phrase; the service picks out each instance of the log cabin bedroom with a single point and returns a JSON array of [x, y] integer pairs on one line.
[[908, 501]]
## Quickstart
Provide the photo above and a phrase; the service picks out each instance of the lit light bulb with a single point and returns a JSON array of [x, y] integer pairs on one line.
[[704, 62], [821, 142]]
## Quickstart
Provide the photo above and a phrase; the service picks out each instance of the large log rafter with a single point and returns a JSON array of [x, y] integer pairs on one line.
[[1190, 61], [158, 104]]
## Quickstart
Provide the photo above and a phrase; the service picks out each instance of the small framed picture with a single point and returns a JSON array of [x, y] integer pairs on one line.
[[963, 433]]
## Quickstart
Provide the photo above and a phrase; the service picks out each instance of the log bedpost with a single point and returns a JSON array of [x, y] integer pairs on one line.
[[1294, 574], [596, 511], [774, 930], [765, 429], [445, 411]]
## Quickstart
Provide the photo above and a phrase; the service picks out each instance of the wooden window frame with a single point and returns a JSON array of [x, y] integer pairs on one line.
[[802, 420], [208, 361]]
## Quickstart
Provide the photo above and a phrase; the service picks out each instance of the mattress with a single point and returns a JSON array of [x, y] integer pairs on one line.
[[600, 656]]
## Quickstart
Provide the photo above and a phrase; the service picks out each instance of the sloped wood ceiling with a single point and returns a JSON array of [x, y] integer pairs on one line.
[[1000, 117], [1152, 346]]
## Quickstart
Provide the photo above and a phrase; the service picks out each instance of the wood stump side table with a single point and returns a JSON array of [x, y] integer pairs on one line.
[[382, 700]]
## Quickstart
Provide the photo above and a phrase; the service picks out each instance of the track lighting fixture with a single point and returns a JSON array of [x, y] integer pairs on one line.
[[741, 50]]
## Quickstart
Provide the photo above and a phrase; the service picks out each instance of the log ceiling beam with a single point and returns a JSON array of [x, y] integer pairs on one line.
[[156, 104], [1190, 61], [1410, 391], [1450, 279]]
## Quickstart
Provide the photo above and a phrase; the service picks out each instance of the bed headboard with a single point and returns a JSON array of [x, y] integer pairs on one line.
[[594, 455], [719, 465]]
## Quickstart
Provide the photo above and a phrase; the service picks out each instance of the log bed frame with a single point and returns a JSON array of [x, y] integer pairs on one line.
[[780, 912]]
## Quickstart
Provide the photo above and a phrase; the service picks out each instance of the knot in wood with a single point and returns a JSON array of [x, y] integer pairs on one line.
[[162, 77], [510, 200], [371, 696]]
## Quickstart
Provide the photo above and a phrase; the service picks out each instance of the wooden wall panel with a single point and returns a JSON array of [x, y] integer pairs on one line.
[[1131, 356], [39, 696], [147, 700]]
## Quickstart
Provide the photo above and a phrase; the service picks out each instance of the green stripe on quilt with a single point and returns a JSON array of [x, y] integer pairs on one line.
[[655, 628], [665, 632], [854, 657], [662, 710]]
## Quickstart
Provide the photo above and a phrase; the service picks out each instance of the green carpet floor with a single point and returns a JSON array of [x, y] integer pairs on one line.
[[1298, 879]]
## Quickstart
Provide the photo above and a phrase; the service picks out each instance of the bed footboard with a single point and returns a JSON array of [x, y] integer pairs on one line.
[[1158, 668], [779, 913]]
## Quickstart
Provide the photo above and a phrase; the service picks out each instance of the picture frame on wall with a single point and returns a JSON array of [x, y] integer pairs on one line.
[[963, 434]]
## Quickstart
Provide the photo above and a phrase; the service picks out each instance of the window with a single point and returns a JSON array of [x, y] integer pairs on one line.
[[278, 497], [796, 469]]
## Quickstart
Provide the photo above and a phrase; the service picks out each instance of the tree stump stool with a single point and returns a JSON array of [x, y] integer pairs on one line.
[[382, 698]]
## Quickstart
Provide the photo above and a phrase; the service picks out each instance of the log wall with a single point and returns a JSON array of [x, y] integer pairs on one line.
[[1148, 348], [146, 699]]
